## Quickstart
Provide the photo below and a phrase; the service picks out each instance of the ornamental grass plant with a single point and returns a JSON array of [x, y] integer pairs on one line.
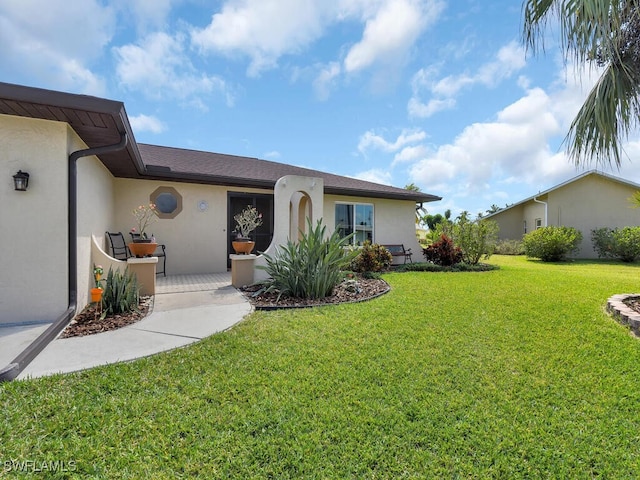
[[513, 373], [311, 267]]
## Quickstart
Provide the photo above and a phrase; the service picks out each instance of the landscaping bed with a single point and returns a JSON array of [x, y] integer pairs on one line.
[[356, 290], [88, 321]]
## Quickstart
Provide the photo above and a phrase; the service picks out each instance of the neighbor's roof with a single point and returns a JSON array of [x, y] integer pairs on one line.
[[101, 122], [563, 184]]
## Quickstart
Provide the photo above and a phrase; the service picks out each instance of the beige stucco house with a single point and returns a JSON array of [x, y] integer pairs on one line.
[[87, 173], [590, 200]]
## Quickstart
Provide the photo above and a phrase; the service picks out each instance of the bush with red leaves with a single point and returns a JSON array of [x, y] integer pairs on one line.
[[443, 252]]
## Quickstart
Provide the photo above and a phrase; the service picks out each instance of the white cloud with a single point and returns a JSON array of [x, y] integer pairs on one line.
[[159, 67], [38, 41], [391, 32], [509, 60], [274, 154], [375, 175], [266, 30], [409, 154], [146, 123], [423, 110], [370, 140], [326, 80], [263, 30], [148, 14], [516, 147]]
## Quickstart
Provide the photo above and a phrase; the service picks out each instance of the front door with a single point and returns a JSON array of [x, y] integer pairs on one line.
[[261, 235]]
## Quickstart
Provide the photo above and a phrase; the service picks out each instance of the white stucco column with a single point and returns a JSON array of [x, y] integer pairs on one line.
[[242, 267], [287, 188], [145, 270]]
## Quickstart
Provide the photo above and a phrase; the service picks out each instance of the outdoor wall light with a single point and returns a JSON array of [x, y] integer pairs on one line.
[[21, 181]]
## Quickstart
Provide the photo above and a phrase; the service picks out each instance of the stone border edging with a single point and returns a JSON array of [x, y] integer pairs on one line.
[[286, 307], [622, 313]]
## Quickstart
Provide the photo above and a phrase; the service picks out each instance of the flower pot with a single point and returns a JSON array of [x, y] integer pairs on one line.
[[142, 249], [243, 247], [96, 295]]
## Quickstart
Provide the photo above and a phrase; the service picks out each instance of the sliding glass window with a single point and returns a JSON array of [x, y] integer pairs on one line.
[[355, 218]]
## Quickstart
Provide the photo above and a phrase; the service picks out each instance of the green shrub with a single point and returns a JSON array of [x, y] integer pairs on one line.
[[551, 244], [458, 267], [509, 247], [443, 252], [309, 268], [371, 258], [623, 243], [627, 241], [602, 241], [476, 239], [121, 293]]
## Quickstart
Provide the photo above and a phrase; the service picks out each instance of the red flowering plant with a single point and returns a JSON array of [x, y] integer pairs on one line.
[[145, 216]]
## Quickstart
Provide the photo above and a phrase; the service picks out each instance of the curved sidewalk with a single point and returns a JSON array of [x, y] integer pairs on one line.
[[176, 320]]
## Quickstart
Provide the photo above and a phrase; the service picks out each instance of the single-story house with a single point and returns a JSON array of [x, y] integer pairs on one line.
[[586, 202], [87, 173]]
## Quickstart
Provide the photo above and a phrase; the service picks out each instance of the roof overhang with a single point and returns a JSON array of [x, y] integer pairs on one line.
[[99, 122]]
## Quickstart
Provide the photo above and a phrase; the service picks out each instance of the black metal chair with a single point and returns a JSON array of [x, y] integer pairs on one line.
[[119, 248], [160, 252]]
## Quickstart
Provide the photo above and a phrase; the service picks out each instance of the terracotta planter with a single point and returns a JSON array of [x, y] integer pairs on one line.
[[142, 249], [243, 247], [96, 295]]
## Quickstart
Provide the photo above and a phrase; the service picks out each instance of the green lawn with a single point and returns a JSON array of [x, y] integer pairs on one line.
[[513, 373]]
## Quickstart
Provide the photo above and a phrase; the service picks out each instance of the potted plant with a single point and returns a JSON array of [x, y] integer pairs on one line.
[[145, 215], [96, 292], [142, 245], [246, 222]]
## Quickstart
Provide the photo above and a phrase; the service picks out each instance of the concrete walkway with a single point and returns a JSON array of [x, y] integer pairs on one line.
[[194, 311]]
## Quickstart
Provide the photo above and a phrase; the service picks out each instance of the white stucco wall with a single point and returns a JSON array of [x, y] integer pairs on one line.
[[95, 206], [33, 237], [394, 221], [196, 240]]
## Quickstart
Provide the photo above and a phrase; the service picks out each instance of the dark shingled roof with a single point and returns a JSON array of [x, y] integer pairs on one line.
[[101, 122], [221, 169]]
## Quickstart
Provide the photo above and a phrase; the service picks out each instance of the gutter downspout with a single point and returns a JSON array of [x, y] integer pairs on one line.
[[18, 364], [546, 206]]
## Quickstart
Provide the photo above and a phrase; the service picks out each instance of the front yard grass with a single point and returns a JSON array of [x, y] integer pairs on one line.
[[511, 373]]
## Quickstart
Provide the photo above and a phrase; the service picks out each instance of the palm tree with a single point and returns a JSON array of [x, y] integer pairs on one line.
[[605, 33], [493, 209], [421, 212]]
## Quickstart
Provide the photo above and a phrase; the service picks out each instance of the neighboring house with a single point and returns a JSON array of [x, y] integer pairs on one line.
[[589, 201], [87, 173]]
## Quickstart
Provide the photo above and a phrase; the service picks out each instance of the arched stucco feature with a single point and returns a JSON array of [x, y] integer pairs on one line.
[[292, 195], [99, 256], [300, 210]]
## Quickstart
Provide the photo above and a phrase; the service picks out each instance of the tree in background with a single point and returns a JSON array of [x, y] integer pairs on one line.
[[604, 33], [420, 210], [432, 221]]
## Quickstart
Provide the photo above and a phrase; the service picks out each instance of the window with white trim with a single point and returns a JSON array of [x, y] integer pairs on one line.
[[355, 218], [538, 223], [525, 226]]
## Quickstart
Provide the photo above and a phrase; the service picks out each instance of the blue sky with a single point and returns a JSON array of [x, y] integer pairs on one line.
[[439, 93]]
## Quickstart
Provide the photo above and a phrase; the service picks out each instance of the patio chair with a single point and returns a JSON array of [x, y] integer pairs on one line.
[[160, 252], [119, 248]]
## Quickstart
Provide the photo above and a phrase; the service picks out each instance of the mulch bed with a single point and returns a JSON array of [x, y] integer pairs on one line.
[[356, 290], [88, 321], [633, 303]]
